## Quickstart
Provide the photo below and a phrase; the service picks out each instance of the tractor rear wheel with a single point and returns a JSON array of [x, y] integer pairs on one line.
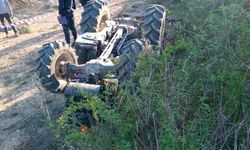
[[128, 59], [49, 60], [94, 16], [154, 24]]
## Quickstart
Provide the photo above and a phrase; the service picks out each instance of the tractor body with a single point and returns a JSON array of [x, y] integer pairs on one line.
[[105, 51]]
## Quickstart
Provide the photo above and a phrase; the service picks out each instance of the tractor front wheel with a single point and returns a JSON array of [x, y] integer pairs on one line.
[[154, 24], [128, 59]]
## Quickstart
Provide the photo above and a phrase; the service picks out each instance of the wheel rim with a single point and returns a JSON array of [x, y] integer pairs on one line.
[[102, 23], [63, 56], [163, 23]]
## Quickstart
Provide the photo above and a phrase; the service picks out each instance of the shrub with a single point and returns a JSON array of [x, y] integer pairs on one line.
[[25, 29]]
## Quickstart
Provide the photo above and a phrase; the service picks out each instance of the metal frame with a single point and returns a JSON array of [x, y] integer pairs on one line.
[[96, 69]]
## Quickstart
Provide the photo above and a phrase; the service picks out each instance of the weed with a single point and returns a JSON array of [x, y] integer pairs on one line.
[[7, 81], [26, 29]]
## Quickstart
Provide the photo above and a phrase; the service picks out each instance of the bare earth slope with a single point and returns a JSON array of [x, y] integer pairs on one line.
[[24, 105]]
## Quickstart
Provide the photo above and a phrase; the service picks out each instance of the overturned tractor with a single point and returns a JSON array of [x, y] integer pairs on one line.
[[105, 51]]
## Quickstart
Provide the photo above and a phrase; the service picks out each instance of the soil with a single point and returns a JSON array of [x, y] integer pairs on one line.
[[24, 104]]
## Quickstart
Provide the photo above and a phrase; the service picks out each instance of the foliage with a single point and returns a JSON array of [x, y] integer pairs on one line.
[[25, 29], [193, 96]]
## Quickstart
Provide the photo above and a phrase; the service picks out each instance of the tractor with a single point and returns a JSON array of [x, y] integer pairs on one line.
[[106, 50], [105, 53]]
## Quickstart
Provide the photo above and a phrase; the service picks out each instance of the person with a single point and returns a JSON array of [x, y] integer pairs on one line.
[[66, 9], [83, 2], [6, 13]]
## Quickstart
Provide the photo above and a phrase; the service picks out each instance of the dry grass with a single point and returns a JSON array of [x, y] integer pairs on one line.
[[26, 29]]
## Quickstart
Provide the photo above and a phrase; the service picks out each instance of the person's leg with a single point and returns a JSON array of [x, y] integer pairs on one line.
[[71, 24], [84, 2], [7, 17], [66, 33], [2, 21]]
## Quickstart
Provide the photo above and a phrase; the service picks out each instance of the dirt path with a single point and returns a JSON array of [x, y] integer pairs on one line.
[[24, 105]]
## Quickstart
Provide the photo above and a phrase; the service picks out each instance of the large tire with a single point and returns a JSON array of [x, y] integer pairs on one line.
[[49, 60], [154, 24], [128, 59], [94, 16]]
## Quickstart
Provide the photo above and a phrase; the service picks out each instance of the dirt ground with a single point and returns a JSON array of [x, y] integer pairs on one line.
[[24, 104]]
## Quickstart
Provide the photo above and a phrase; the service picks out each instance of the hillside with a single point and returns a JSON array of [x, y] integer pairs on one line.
[[24, 104], [192, 95], [195, 95]]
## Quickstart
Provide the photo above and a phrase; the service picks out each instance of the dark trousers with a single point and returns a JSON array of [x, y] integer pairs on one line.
[[7, 17], [70, 26], [83, 2]]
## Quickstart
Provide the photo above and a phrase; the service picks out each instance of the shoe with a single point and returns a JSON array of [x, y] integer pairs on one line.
[[7, 36], [73, 45], [17, 34]]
